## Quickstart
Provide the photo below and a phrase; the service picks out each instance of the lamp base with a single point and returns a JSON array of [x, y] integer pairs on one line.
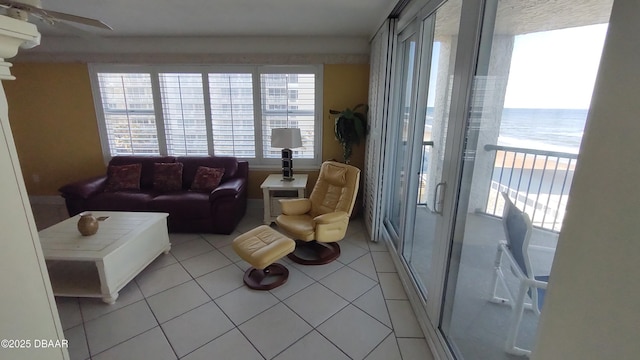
[[287, 165]]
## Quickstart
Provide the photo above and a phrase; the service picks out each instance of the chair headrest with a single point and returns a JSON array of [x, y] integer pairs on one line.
[[335, 175], [336, 188]]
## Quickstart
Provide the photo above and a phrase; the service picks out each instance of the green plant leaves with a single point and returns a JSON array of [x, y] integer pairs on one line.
[[360, 127], [350, 127]]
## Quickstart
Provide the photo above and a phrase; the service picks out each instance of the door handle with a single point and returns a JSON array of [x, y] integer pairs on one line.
[[437, 197]]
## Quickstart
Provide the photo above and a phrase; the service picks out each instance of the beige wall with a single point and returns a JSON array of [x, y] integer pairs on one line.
[[591, 311], [28, 309], [54, 123]]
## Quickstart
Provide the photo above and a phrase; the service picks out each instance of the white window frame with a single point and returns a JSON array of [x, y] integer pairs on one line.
[[259, 161]]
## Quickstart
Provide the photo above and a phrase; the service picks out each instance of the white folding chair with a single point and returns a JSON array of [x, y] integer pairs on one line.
[[517, 230]]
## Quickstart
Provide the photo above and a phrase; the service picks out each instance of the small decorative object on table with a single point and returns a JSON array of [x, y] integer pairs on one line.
[[88, 224]]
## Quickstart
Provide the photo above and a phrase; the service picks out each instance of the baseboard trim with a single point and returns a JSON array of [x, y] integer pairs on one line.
[[46, 200]]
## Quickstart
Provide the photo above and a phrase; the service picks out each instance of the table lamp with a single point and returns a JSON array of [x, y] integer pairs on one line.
[[286, 138]]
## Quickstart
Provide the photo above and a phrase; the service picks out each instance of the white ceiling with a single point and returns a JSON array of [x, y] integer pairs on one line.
[[203, 18]]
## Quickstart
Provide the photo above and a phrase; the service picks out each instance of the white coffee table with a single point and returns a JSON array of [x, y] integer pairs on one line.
[[101, 265]]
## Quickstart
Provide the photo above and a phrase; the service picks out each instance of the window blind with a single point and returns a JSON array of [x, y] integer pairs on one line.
[[127, 105], [200, 110], [288, 101], [184, 115], [232, 119]]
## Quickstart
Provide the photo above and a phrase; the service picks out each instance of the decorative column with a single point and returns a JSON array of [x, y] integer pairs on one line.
[[13, 34], [28, 309]]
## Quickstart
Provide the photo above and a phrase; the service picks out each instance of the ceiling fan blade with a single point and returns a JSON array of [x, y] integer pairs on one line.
[[55, 15], [73, 18], [62, 28]]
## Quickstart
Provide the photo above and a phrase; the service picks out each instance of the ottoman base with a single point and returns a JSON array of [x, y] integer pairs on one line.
[[261, 248], [314, 252], [258, 279]]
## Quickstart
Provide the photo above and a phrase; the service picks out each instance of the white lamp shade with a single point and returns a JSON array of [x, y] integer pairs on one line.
[[286, 138]]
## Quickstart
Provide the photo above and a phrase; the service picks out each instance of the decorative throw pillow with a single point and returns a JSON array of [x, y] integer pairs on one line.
[[167, 176], [123, 177], [207, 178]]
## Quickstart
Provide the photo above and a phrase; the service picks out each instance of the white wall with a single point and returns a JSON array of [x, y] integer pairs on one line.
[[592, 309]]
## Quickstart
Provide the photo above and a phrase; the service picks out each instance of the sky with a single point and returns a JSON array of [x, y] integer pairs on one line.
[[555, 69]]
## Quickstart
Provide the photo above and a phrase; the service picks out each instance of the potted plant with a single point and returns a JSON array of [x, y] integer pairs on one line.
[[350, 128]]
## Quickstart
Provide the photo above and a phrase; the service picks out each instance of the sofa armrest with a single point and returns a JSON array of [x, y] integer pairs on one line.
[[228, 205], [231, 188], [85, 188], [295, 206]]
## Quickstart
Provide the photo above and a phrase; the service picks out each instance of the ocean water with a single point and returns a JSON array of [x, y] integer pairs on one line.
[[544, 129]]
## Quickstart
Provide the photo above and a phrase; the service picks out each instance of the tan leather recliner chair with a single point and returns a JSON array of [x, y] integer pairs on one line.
[[318, 222]]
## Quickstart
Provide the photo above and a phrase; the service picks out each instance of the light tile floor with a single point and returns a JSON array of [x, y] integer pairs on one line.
[[192, 304]]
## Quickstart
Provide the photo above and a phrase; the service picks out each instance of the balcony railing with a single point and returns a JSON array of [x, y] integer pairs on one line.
[[538, 181]]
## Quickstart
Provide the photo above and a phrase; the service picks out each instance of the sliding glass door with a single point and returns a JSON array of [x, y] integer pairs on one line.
[[534, 75], [425, 218], [414, 217], [403, 121], [487, 111]]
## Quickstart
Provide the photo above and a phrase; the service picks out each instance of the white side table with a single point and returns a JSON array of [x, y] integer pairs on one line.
[[274, 189]]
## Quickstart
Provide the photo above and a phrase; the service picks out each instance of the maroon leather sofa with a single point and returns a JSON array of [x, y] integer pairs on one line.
[[189, 211]]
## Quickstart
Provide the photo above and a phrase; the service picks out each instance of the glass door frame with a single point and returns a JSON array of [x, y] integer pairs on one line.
[[467, 52], [396, 110], [424, 31], [454, 141], [429, 313]]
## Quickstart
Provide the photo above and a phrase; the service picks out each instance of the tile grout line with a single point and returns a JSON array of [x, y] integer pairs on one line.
[[237, 327], [127, 339], [315, 328], [158, 321], [84, 328], [279, 300], [377, 279], [384, 299], [212, 300], [395, 339], [124, 341]]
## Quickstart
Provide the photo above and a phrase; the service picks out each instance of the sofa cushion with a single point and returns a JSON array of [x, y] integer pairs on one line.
[[167, 177], [124, 177], [207, 179], [191, 164], [183, 205], [120, 201], [148, 162]]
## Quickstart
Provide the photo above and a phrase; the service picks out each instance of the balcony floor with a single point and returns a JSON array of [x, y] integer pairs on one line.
[[479, 327]]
